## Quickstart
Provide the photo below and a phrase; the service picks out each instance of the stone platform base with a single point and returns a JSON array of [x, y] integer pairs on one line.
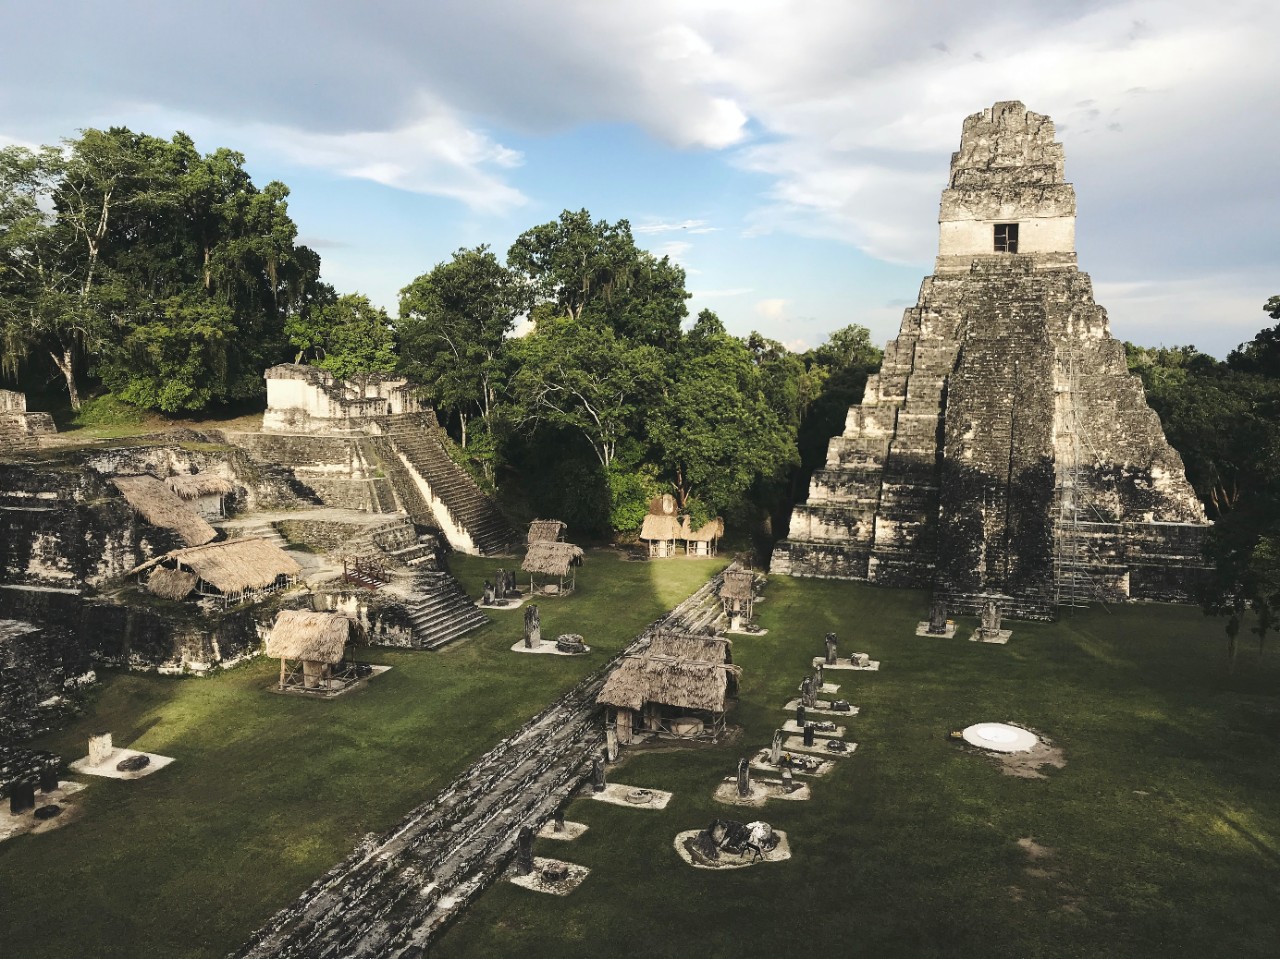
[[823, 706], [108, 769], [999, 639], [571, 831], [778, 853], [871, 666], [795, 744], [762, 790], [26, 822], [617, 794], [545, 647], [761, 762], [535, 882], [791, 726], [922, 629]]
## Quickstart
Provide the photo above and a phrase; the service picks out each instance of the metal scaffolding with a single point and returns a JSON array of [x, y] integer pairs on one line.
[[1075, 556]]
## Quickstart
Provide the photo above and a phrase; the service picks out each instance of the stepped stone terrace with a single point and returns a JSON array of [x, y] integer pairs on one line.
[[1003, 449]]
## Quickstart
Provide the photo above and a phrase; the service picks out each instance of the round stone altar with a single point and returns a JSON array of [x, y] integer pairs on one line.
[[1000, 737]]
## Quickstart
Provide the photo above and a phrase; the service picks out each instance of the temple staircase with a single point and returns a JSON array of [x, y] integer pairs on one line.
[[418, 441], [439, 610]]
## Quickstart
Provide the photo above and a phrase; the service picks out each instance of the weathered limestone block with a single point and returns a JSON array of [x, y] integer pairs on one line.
[[1003, 448]]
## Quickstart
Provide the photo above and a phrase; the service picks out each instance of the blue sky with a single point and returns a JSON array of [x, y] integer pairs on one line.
[[789, 154]]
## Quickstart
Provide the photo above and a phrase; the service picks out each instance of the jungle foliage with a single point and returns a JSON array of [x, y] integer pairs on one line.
[[1224, 418]]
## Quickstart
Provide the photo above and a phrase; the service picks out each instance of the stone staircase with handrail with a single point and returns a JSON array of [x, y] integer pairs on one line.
[[419, 440]]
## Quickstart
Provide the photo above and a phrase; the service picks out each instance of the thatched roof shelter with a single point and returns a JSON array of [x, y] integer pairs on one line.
[[195, 485], [680, 683], [160, 506], [310, 637], [552, 559], [660, 526], [738, 584], [706, 533], [232, 566], [690, 646], [546, 530], [172, 584]]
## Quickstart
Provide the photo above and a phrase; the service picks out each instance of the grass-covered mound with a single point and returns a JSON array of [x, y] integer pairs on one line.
[[269, 791], [1162, 830]]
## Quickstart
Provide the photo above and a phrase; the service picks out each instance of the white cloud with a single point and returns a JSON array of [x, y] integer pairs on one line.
[[662, 226], [773, 309]]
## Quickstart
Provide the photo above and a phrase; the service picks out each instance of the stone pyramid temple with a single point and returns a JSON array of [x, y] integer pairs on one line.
[[1004, 450]]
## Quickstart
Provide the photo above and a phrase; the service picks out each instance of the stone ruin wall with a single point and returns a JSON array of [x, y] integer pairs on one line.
[[1003, 381], [20, 429]]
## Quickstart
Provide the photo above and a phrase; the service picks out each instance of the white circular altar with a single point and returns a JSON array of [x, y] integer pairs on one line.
[[1000, 737]]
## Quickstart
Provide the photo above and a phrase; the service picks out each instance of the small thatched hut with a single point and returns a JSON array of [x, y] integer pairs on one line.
[[681, 698], [546, 531], [311, 648], [737, 594], [551, 567], [233, 571], [703, 540], [206, 493], [175, 584], [161, 506], [661, 527], [691, 646]]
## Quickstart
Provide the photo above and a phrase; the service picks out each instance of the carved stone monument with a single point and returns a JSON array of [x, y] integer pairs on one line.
[[532, 626], [557, 821], [524, 851], [775, 749], [800, 714], [938, 618], [831, 649], [744, 779], [597, 773], [611, 743], [489, 594], [808, 693], [100, 749]]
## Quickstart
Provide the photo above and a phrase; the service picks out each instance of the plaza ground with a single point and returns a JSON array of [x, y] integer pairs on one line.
[[1162, 830]]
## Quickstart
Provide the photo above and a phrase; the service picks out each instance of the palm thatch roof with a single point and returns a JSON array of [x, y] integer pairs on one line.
[[311, 637], [546, 530], [690, 646], [171, 583], [670, 682], [200, 484], [553, 559], [160, 506], [660, 526], [234, 565], [738, 584], [711, 530]]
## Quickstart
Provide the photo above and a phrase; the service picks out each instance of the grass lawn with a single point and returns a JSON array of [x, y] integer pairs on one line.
[[269, 791], [1164, 824]]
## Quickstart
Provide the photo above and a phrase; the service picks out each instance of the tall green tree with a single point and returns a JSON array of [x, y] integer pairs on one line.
[[585, 378], [716, 429], [592, 271], [346, 337], [453, 329]]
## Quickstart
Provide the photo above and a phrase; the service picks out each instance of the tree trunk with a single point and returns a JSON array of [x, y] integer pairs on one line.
[[66, 367], [462, 419]]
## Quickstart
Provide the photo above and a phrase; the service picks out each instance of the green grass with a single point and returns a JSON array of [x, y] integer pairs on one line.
[[1165, 821], [269, 791]]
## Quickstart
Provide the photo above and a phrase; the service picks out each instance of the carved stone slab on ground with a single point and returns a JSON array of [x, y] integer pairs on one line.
[[544, 647], [538, 881], [795, 744], [636, 797], [762, 790], [108, 770], [778, 853]]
